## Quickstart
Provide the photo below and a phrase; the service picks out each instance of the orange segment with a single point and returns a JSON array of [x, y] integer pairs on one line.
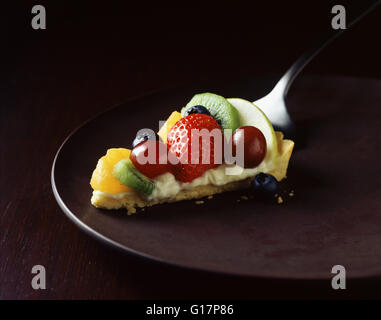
[[173, 118], [102, 178]]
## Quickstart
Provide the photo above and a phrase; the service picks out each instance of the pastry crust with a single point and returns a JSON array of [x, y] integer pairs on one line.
[[133, 200]]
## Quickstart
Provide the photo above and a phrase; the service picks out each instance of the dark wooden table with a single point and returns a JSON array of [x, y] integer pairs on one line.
[[91, 58]]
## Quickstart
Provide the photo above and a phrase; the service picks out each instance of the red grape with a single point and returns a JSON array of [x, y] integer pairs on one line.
[[254, 145], [151, 158]]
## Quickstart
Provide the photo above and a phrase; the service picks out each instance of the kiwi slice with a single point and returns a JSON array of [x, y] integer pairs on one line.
[[129, 176], [220, 109]]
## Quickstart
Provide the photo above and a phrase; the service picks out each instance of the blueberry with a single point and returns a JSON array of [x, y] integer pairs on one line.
[[197, 109], [144, 135], [265, 184]]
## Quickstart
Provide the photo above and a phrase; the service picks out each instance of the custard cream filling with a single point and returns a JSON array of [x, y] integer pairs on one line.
[[166, 186], [116, 196]]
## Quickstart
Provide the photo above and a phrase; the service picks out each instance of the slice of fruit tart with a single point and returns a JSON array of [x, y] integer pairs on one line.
[[214, 145]]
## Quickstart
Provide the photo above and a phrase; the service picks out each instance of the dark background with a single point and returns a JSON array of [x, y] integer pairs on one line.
[[95, 55]]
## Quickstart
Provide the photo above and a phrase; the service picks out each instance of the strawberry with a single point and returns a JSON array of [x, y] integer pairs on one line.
[[182, 141]]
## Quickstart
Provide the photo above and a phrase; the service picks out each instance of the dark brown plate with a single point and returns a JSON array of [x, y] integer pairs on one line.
[[334, 217]]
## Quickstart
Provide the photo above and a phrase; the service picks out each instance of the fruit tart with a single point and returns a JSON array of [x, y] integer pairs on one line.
[[213, 145]]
